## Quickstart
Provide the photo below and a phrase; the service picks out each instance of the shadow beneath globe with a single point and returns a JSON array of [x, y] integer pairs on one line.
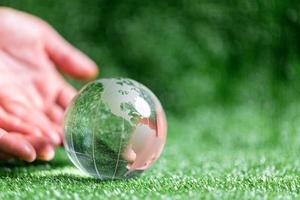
[[60, 167], [70, 179], [83, 180]]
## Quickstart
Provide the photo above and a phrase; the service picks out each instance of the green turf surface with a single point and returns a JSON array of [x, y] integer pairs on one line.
[[194, 55], [241, 152]]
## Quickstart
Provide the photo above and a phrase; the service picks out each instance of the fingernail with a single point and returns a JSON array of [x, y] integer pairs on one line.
[[47, 153], [54, 137], [30, 155]]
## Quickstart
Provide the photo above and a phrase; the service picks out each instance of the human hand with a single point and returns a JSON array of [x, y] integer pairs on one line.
[[33, 95]]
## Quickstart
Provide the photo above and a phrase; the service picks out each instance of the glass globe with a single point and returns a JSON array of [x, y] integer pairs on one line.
[[114, 128]]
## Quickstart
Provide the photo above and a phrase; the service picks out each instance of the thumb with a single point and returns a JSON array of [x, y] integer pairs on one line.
[[68, 59], [15, 145]]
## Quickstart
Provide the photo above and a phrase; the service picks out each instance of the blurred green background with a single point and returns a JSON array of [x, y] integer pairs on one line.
[[228, 75], [190, 53]]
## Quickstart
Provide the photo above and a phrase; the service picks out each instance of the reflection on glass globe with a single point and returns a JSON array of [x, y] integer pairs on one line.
[[114, 129]]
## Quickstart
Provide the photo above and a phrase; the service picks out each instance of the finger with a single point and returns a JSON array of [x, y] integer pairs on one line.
[[65, 96], [28, 122], [13, 93], [69, 60], [55, 113], [44, 150], [49, 130], [16, 145], [9, 120]]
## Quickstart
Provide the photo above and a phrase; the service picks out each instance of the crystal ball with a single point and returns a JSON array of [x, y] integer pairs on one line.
[[114, 128]]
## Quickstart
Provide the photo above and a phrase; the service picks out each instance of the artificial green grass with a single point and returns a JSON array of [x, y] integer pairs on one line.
[[190, 54], [241, 152]]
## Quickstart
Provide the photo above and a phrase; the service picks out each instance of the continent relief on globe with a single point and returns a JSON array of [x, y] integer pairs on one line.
[[110, 131]]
